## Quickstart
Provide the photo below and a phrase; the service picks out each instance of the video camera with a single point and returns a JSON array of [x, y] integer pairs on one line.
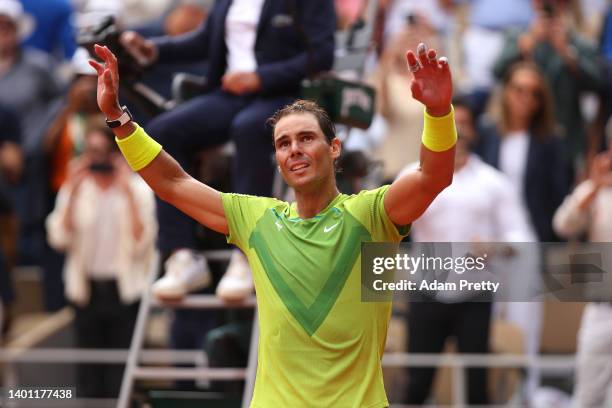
[[106, 32]]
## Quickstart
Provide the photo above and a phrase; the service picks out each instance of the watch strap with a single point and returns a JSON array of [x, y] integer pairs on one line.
[[125, 117]]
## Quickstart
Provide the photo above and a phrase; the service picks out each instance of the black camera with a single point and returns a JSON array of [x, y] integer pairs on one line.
[[101, 167], [106, 32], [549, 8]]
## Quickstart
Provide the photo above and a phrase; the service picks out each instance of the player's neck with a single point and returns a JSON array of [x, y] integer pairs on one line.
[[312, 202]]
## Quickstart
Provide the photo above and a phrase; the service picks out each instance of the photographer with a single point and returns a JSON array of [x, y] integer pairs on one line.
[[569, 62], [104, 219], [258, 53]]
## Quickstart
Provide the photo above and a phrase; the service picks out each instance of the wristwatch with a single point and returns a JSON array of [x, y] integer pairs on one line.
[[125, 117]]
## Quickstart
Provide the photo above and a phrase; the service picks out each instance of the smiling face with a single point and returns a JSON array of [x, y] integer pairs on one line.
[[305, 158]]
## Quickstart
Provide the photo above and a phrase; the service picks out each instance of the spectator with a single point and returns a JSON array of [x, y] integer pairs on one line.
[[11, 166], [180, 20], [257, 58], [54, 32], [64, 139], [490, 211], [26, 81], [436, 13], [65, 135], [569, 62], [483, 39], [587, 210], [442, 17], [104, 219], [518, 137], [26, 87], [392, 80], [597, 136]]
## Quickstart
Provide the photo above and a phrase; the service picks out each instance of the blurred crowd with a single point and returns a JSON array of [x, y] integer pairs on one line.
[[533, 92]]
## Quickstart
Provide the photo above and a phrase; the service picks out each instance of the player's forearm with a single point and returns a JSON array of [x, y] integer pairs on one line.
[[164, 175], [437, 148], [437, 169], [169, 181], [145, 156]]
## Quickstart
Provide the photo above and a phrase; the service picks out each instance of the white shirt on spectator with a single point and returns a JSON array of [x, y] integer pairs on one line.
[[479, 205], [570, 220], [513, 158], [513, 154], [102, 264], [133, 258], [594, 337], [240, 35]]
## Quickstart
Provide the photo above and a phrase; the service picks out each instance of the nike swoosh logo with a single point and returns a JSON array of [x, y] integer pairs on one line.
[[327, 229]]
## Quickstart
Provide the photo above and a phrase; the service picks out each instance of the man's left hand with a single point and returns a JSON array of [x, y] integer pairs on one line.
[[240, 83], [432, 84]]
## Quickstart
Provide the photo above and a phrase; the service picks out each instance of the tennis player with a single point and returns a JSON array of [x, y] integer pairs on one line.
[[319, 345]]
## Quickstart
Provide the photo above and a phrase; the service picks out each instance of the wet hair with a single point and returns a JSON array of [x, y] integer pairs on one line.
[[306, 106]]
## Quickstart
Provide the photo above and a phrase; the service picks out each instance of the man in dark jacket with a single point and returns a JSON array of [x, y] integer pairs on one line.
[[258, 52]]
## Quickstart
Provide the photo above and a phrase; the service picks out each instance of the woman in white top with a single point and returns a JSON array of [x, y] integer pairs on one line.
[[104, 219], [518, 137], [588, 210]]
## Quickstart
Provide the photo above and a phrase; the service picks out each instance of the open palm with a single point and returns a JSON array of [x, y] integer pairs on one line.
[[108, 82], [432, 84]]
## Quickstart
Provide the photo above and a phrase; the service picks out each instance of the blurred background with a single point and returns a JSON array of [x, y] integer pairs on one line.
[[533, 80]]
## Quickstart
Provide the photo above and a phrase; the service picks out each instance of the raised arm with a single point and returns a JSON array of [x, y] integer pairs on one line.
[[160, 171], [411, 194]]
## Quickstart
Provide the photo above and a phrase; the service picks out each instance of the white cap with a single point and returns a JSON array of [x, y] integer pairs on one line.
[[95, 10], [14, 10]]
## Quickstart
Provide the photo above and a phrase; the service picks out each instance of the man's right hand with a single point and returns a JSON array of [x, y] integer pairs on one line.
[[108, 82], [108, 89], [143, 50]]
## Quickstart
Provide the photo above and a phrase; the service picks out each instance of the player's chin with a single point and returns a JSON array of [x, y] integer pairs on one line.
[[297, 181]]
